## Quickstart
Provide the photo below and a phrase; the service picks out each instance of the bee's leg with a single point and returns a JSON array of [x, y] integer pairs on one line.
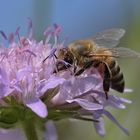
[[106, 75], [55, 59], [106, 79], [75, 66], [86, 66]]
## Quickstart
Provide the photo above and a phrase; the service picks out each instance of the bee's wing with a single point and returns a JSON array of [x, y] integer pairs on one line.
[[109, 38], [120, 52]]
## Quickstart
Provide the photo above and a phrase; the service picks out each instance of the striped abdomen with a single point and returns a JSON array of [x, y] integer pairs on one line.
[[117, 81]]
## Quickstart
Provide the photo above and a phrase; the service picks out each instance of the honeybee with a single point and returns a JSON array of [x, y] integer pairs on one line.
[[99, 52]]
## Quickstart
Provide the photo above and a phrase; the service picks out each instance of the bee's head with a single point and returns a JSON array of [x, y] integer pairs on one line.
[[65, 59], [66, 55]]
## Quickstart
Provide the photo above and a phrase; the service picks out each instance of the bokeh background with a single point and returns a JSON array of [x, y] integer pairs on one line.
[[80, 19]]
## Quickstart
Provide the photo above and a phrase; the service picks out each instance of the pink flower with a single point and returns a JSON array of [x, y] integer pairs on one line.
[[28, 81]]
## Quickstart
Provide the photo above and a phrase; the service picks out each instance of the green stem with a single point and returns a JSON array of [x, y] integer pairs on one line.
[[30, 129]]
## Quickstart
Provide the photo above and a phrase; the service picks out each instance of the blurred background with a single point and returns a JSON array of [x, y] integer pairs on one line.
[[81, 19]]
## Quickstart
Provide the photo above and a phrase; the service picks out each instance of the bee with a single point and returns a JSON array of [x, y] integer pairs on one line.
[[99, 52]]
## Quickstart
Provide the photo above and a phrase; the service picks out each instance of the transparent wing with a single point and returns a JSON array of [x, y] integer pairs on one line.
[[109, 38], [120, 52], [116, 52]]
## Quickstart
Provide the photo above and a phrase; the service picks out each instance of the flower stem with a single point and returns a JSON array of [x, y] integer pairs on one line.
[[30, 130]]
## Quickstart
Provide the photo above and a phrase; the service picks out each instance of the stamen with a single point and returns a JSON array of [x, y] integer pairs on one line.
[[17, 34], [30, 28], [11, 37], [3, 35]]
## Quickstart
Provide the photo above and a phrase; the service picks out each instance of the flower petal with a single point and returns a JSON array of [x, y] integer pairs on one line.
[[37, 106], [128, 90], [112, 118], [116, 102], [4, 84], [52, 82], [75, 87], [125, 100], [51, 133], [99, 126], [86, 104]]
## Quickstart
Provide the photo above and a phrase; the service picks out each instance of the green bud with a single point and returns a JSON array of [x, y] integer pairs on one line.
[[8, 116]]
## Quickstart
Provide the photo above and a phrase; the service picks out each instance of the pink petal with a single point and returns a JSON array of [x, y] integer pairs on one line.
[[116, 102], [4, 84], [86, 104], [37, 106], [112, 118], [76, 87], [99, 126], [51, 133], [52, 82]]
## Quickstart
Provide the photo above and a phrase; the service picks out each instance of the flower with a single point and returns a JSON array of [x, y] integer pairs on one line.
[[30, 90]]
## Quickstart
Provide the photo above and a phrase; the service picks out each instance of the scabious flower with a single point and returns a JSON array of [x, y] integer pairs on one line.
[[32, 95]]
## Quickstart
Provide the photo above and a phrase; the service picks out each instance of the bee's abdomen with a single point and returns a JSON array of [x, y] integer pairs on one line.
[[117, 81]]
